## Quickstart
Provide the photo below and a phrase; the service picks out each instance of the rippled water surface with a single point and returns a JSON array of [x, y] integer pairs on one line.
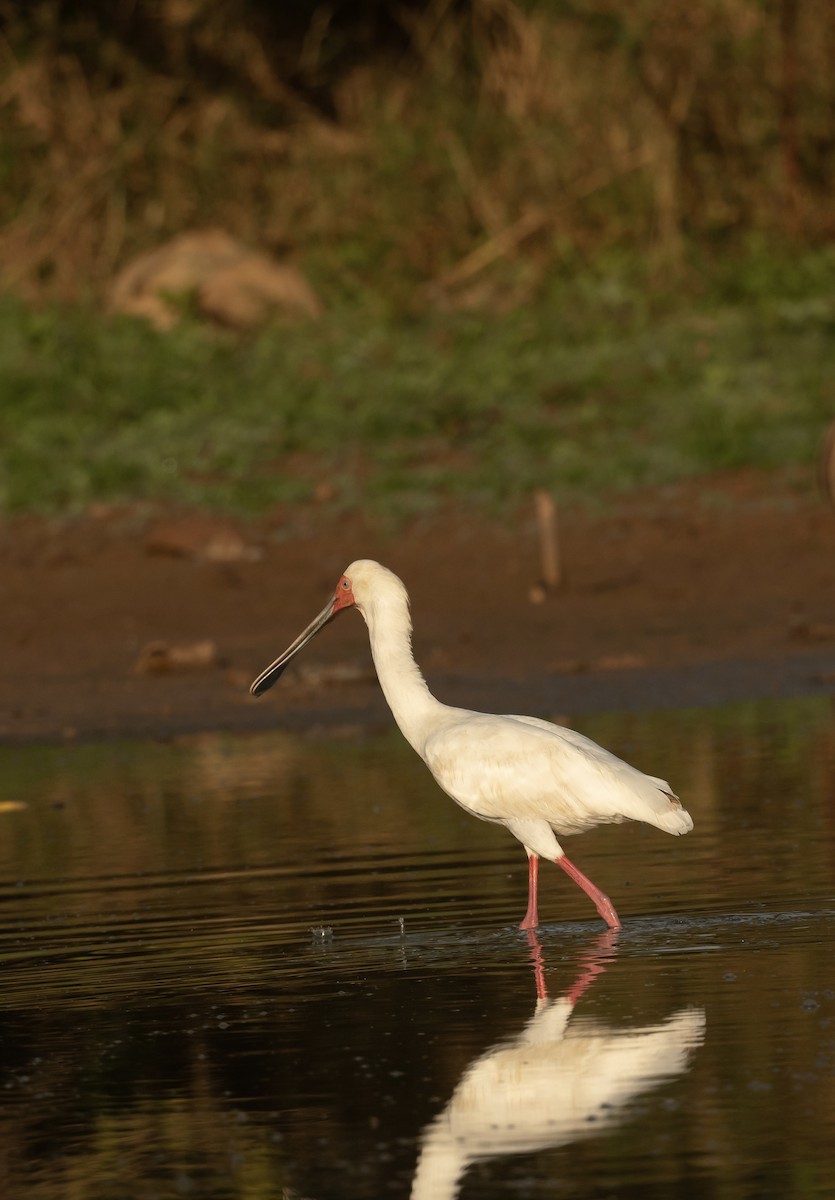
[[289, 967]]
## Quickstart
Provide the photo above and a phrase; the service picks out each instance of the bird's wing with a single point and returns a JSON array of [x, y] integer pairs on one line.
[[506, 767], [591, 748], [641, 797]]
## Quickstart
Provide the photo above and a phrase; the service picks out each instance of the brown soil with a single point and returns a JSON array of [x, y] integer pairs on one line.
[[727, 573]]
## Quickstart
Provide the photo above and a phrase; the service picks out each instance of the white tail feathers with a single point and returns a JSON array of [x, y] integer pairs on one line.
[[671, 815], [653, 801]]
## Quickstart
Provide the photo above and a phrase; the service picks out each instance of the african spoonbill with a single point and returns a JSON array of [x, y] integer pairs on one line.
[[563, 1079], [535, 778]]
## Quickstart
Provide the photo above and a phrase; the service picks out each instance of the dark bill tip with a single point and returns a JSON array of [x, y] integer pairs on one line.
[[275, 670]]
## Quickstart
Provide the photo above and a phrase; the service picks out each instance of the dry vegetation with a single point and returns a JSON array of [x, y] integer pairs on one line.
[[576, 247], [462, 137]]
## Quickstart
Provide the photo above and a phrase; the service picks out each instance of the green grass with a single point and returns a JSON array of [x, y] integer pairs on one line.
[[607, 381]]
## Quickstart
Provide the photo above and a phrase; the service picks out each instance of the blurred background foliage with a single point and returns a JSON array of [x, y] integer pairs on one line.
[[574, 245], [393, 139]]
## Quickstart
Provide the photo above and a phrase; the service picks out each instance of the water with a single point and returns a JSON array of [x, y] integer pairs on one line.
[[288, 967]]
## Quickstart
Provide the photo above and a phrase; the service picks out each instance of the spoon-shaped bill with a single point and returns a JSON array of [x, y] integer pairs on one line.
[[268, 677]]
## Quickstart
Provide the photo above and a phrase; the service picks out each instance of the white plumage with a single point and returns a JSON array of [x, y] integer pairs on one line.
[[538, 779], [559, 1081]]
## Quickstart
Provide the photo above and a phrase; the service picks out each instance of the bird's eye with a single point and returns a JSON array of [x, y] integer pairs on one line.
[[345, 585]]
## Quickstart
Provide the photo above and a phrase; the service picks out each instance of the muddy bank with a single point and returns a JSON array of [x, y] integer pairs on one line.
[[693, 596]]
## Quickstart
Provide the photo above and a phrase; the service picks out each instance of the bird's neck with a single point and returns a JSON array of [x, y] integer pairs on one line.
[[413, 706], [441, 1164]]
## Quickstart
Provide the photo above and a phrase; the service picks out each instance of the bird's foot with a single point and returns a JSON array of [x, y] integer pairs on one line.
[[601, 901]]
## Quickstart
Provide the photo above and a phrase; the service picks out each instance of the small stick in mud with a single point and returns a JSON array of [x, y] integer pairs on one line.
[[550, 559], [826, 464]]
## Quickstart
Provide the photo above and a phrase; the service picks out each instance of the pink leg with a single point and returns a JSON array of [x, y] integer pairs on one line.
[[531, 918], [602, 903]]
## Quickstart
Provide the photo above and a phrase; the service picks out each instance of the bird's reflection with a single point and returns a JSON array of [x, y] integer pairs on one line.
[[558, 1081]]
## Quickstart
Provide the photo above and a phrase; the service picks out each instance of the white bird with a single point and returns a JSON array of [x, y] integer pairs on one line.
[[559, 1081], [535, 778]]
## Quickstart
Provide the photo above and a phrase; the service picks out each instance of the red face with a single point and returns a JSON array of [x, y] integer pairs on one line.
[[343, 597]]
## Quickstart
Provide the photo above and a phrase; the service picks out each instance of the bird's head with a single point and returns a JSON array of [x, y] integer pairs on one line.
[[366, 585]]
